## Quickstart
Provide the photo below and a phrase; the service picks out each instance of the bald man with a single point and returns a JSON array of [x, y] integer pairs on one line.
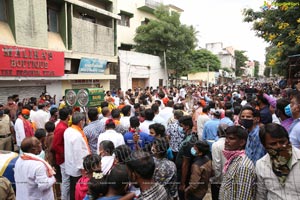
[[34, 177]]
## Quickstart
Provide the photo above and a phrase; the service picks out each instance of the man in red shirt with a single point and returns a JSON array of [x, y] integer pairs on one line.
[[59, 151]]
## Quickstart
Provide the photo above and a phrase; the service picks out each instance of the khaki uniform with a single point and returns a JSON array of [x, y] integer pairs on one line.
[[6, 190], [5, 134]]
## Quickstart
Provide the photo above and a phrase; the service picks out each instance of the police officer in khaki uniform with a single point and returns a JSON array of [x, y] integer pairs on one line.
[[5, 131]]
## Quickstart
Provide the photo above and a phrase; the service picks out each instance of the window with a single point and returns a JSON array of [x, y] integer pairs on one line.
[[87, 17], [146, 21], [3, 10], [125, 20], [52, 20]]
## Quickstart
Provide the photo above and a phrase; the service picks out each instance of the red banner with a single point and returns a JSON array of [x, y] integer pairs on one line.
[[21, 61]]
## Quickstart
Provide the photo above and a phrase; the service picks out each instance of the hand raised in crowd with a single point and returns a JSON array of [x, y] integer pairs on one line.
[[272, 109], [136, 137]]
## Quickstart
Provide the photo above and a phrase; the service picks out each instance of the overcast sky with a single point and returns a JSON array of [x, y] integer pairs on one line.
[[222, 21]]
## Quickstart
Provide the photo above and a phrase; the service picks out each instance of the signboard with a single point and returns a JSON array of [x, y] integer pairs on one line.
[[89, 65], [21, 61], [84, 97]]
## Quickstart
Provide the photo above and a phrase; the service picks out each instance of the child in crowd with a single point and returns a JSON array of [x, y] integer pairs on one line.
[[91, 164], [113, 186], [106, 149], [122, 153]]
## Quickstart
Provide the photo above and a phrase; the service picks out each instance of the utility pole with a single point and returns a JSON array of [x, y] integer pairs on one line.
[[166, 70], [207, 83]]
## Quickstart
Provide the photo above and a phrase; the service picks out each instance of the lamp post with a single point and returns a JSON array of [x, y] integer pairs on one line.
[[166, 70], [207, 83]]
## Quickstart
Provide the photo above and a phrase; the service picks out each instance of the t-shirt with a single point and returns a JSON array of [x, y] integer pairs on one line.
[[144, 139]]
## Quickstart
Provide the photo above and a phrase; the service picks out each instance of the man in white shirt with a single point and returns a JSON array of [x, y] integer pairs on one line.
[[34, 177], [278, 174], [182, 92], [157, 118], [218, 161], [40, 117], [167, 112], [111, 135], [126, 110], [201, 120], [76, 148], [23, 127], [149, 116]]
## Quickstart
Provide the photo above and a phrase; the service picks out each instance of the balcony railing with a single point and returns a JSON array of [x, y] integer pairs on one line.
[[149, 5]]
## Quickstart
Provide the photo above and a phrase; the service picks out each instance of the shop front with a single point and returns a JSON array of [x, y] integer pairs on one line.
[[29, 72]]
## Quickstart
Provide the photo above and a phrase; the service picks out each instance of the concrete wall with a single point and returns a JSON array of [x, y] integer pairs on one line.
[[139, 65], [227, 61], [202, 76], [55, 88], [126, 34], [31, 23], [88, 37]]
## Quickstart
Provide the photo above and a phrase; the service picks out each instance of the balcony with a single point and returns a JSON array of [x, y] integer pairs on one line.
[[92, 38], [149, 5]]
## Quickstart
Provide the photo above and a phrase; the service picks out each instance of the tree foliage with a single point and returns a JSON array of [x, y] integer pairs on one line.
[[167, 34], [200, 59], [278, 23], [240, 60]]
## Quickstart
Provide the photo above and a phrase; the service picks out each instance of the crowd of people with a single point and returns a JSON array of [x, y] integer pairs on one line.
[[234, 142]]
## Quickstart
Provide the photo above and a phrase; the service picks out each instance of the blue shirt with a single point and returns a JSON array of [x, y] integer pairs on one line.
[[265, 115], [227, 121], [254, 149], [92, 132], [294, 133], [210, 131], [144, 139]]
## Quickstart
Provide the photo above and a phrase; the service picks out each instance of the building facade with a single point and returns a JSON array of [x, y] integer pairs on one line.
[[135, 13], [226, 57], [139, 70], [53, 45]]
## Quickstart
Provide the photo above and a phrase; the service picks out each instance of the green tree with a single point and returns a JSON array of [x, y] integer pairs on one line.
[[279, 25], [199, 60], [256, 68], [227, 69], [278, 67], [240, 60], [167, 34]]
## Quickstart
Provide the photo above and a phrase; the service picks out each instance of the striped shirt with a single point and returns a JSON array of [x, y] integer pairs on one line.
[[239, 182], [92, 132], [156, 192]]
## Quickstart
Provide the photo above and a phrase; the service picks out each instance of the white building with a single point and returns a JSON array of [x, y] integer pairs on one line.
[[225, 55], [261, 70], [137, 69]]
